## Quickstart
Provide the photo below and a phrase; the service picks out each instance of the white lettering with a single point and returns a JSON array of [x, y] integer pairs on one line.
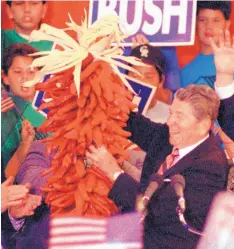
[[106, 9], [169, 11], [156, 13], [123, 13]]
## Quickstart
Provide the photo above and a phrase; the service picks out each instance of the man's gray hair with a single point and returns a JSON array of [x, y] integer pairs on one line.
[[203, 99]]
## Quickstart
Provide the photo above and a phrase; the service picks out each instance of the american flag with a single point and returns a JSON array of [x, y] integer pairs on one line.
[[117, 232], [219, 227]]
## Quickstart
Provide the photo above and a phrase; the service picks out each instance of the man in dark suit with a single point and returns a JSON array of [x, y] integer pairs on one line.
[[224, 86], [201, 161]]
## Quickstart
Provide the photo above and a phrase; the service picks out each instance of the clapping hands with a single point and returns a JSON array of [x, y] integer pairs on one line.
[[26, 208], [12, 195]]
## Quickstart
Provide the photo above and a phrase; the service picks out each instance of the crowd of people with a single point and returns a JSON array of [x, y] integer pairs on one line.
[[192, 124]]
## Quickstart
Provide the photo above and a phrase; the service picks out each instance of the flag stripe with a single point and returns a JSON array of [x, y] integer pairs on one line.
[[77, 239], [77, 220], [99, 246], [76, 229], [80, 224], [93, 243], [77, 234]]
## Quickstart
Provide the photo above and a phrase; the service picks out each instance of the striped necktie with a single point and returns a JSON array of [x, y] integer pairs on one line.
[[169, 161]]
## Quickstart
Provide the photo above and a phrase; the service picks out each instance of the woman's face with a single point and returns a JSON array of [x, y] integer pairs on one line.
[[18, 73]]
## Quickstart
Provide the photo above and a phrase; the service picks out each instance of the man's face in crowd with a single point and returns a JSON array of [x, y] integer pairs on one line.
[[18, 73], [209, 24], [184, 128], [150, 76], [27, 15]]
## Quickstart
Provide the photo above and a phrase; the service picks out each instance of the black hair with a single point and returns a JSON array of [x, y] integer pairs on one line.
[[16, 49], [224, 6], [9, 2], [160, 73]]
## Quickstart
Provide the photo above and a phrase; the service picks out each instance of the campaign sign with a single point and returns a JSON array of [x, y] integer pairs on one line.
[[145, 93], [40, 98], [163, 22]]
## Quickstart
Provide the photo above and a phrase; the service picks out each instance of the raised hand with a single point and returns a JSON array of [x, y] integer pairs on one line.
[[27, 208], [139, 40], [28, 132], [224, 53], [12, 195]]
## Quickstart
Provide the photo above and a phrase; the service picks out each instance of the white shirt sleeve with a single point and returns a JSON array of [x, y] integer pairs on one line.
[[225, 91]]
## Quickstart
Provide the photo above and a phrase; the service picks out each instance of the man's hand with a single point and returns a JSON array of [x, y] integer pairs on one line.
[[27, 208], [28, 132], [224, 53], [102, 159], [139, 40], [12, 195]]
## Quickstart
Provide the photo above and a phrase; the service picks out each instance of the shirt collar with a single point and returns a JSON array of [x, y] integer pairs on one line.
[[186, 150], [26, 37]]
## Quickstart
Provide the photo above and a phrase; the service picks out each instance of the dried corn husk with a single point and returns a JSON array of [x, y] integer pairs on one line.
[[96, 39]]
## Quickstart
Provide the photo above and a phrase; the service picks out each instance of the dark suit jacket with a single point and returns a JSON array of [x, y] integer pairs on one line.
[[226, 116], [34, 234], [204, 172]]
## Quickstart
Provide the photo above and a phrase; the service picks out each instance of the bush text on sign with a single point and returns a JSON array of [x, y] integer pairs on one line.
[[165, 23]]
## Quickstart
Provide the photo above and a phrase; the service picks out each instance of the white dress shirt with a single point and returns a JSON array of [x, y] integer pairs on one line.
[[183, 152]]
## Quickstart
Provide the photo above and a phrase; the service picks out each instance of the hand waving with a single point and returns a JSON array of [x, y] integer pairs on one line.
[[224, 53]]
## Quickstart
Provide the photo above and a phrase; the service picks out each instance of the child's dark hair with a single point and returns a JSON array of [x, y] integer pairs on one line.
[[224, 6], [16, 49], [9, 2]]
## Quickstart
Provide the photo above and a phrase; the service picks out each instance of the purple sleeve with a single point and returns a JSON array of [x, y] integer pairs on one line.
[[34, 164]]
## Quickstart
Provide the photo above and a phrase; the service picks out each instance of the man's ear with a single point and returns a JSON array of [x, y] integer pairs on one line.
[[204, 126], [5, 78], [9, 11], [45, 7]]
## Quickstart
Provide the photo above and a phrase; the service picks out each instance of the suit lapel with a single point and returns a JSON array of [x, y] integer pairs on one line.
[[188, 160]]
